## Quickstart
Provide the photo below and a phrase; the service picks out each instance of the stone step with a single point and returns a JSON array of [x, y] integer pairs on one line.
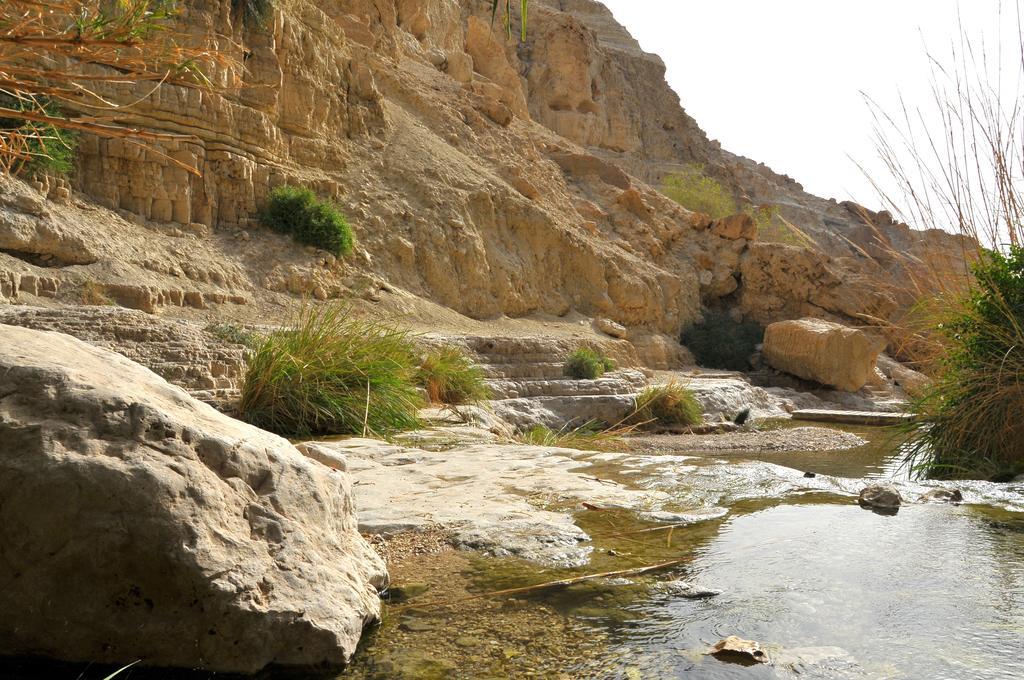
[[538, 371], [616, 383], [525, 358], [853, 417]]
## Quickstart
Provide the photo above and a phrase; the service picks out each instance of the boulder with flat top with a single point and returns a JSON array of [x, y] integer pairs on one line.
[[823, 351]]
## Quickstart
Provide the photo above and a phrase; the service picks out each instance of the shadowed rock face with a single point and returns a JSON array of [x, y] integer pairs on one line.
[[139, 523]]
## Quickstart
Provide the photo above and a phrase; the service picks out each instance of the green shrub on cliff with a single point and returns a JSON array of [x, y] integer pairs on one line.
[[587, 364], [698, 192], [722, 342], [450, 377], [695, 191], [299, 213], [331, 373], [970, 424]]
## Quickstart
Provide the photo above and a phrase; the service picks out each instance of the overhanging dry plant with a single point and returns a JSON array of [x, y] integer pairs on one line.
[[953, 163], [958, 165], [76, 66]]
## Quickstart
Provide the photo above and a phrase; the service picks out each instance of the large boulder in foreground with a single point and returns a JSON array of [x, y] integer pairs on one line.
[[139, 523], [825, 352]]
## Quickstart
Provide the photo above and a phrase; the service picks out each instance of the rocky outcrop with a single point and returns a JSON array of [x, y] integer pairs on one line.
[[138, 523], [913, 382], [485, 176], [785, 282], [822, 351]]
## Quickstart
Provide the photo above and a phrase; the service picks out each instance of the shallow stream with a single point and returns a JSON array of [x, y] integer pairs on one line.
[[829, 589]]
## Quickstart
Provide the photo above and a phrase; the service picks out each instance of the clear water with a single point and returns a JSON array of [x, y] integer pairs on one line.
[[934, 592], [831, 590]]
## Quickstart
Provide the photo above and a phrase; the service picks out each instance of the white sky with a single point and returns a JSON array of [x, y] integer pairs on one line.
[[779, 81]]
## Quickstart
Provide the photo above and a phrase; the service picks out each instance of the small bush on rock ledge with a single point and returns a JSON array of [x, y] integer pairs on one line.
[[450, 377], [722, 342], [299, 213], [669, 404], [587, 364], [332, 374]]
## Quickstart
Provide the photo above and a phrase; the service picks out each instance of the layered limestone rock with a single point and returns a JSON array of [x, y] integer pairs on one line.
[[486, 176], [138, 523], [207, 366], [822, 351]]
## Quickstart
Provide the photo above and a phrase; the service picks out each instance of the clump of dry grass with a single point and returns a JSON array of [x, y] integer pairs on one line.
[[669, 404], [94, 293], [450, 377]]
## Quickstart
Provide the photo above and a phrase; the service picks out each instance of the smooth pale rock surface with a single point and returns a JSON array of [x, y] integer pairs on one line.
[[609, 327], [501, 499], [565, 412], [726, 396], [139, 523], [822, 351]]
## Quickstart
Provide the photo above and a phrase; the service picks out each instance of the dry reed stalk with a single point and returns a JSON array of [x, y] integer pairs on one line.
[[72, 56]]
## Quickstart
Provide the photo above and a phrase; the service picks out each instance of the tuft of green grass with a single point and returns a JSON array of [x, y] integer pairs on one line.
[[590, 436], [721, 342], [450, 377], [297, 211], [587, 364], [330, 373], [668, 404], [970, 422], [698, 192]]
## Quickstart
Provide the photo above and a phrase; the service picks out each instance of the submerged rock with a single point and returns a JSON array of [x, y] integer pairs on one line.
[[505, 500], [139, 523], [942, 496], [882, 497], [689, 590]]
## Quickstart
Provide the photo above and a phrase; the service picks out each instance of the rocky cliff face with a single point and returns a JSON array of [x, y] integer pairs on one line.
[[488, 177]]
